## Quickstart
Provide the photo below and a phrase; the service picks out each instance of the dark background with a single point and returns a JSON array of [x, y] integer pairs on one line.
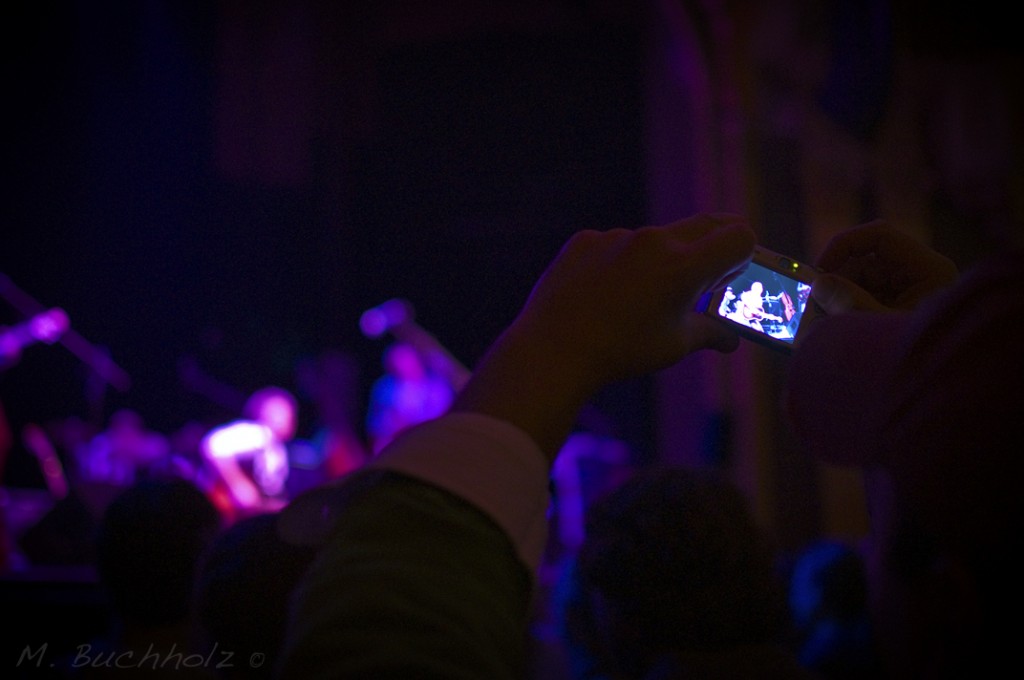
[[479, 154]]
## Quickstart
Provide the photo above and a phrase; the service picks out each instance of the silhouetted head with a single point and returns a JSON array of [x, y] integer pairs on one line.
[[244, 587], [672, 563], [149, 542]]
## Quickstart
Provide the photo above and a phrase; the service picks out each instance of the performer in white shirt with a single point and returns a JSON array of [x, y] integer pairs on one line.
[[250, 456]]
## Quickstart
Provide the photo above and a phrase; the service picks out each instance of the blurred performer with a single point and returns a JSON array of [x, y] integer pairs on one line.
[[752, 309], [421, 377], [407, 394], [123, 453], [249, 457], [591, 463], [331, 381]]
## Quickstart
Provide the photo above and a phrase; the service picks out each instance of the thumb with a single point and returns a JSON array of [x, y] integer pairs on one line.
[[704, 332], [837, 295]]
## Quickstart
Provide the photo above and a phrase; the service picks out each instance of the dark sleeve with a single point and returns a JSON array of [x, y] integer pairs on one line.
[[413, 582]]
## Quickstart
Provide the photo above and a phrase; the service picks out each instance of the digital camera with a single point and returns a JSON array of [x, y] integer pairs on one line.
[[768, 302]]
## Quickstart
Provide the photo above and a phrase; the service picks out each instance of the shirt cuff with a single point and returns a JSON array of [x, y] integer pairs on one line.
[[490, 463]]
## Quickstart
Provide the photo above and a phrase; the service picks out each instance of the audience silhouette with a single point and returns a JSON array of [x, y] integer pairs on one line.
[[148, 546], [675, 579], [244, 585], [828, 602], [913, 377]]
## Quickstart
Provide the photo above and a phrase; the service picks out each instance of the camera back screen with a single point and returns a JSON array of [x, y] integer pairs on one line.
[[766, 301]]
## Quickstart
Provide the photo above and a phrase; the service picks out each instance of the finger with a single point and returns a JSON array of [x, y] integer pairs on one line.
[[837, 295], [878, 239], [703, 332], [725, 280], [698, 226], [715, 256]]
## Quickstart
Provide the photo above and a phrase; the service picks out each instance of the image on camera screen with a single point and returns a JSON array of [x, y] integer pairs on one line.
[[766, 301]]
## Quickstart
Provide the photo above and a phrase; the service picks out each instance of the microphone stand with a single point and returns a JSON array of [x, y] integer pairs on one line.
[[103, 367], [397, 316]]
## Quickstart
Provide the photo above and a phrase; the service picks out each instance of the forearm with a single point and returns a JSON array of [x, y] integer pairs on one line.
[[613, 305], [414, 582], [538, 388]]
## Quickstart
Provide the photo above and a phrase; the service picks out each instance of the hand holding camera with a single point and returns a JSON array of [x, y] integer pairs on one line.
[[875, 267], [871, 267]]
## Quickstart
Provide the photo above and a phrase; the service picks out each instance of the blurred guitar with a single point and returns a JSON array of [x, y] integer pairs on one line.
[[38, 443], [751, 314]]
